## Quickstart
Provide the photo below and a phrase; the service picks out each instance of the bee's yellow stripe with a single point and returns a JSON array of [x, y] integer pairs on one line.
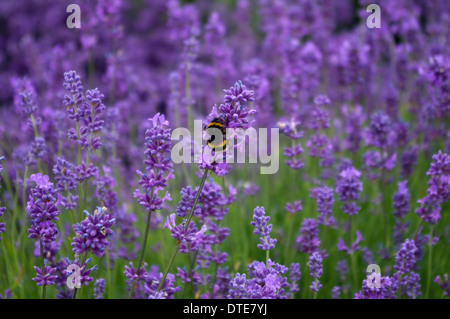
[[215, 124]]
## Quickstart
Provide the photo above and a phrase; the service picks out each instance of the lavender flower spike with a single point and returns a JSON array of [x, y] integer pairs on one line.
[[263, 229]]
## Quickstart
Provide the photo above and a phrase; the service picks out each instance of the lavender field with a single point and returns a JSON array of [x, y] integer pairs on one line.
[[345, 104]]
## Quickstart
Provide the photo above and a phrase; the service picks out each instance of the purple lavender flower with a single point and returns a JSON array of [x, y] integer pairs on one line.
[[85, 272], [405, 259], [401, 207], [319, 145], [291, 130], [264, 281], [385, 291], [316, 271], [45, 277], [6, 295], [444, 283], [74, 102], [190, 238], [130, 273], [438, 189], [233, 108], [238, 287], [294, 208], [64, 175], [99, 288], [263, 229], [401, 200], [159, 165], [438, 77], [354, 246], [85, 110], [152, 282], [342, 269], [378, 131], [309, 236], [413, 286], [324, 197], [93, 232], [42, 207], [336, 292], [294, 277], [348, 189], [353, 129], [408, 161]]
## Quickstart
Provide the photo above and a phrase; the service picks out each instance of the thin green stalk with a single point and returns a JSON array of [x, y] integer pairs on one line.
[[288, 240], [24, 221], [144, 246], [108, 266], [36, 134], [352, 255], [430, 257], [24, 199], [43, 268], [175, 251]]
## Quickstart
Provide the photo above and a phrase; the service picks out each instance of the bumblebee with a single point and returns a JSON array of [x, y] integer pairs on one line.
[[217, 145]]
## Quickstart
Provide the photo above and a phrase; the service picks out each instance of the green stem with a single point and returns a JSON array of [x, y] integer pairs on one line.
[[430, 256], [289, 236], [141, 258], [175, 251], [352, 255], [36, 134], [24, 199], [108, 266], [43, 268]]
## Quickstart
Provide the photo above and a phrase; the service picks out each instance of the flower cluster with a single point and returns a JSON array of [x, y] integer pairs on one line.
[[190, 238], [263, 229], [349, 187], [444, 283], [372, 291], [86, 109], [292, 130], [354, 246], [401, 205], [45, 276], [93, 232], [84, 272], [42, 207], [309, 236], [159, 165], [233, 115], [99, 288], [438, 189], [316, 271], [263, 282], [324, 197]]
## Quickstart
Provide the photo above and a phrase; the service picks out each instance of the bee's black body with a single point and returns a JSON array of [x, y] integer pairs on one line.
[[216, 145]]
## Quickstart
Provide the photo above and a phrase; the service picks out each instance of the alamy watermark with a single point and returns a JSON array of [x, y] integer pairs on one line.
[[374, 19], [74, 19], [373, 276]]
